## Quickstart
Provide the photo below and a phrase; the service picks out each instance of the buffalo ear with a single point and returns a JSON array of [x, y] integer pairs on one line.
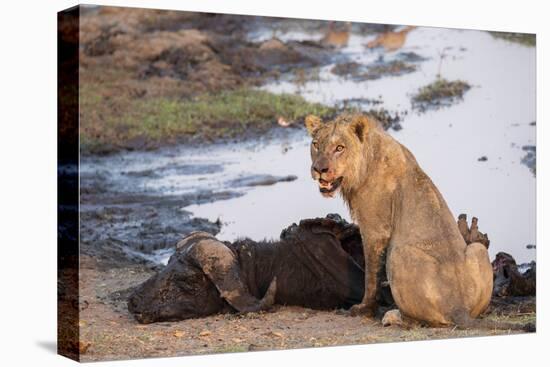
[[359, 127], [312, 124]]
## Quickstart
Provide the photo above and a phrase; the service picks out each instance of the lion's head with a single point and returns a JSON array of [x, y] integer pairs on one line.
[[338, 151]]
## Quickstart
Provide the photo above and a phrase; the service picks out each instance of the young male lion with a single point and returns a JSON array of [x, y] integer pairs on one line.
[[434, 276]]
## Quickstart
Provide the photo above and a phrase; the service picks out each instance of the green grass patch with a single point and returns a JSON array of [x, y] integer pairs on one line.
[[526, 39], [441, 89], [111, 122]]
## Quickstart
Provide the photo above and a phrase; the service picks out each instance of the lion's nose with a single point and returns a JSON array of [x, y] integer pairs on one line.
[[320, 167]]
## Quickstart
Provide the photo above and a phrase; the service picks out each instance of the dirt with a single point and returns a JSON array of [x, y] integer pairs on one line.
[[109, 332]]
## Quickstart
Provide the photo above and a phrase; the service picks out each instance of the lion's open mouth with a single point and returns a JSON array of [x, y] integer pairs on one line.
[[328, 188]]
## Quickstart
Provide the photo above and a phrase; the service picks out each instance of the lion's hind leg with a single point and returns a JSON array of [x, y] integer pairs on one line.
[[479, 273], [419, 285]]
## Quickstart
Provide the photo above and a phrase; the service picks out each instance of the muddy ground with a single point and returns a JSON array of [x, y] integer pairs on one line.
[[108, 331], [152, 79]]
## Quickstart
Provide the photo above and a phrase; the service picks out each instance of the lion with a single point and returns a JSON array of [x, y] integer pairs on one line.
[[405, 224], [337, 37], [391, 41]]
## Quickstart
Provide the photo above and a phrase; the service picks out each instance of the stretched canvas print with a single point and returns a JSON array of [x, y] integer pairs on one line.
[[234, 183]]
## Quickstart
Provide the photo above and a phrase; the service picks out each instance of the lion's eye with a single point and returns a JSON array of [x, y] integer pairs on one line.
[[315, 145], [339, 148]]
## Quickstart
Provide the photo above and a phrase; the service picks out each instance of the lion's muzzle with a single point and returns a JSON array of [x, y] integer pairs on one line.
[[329, 188]]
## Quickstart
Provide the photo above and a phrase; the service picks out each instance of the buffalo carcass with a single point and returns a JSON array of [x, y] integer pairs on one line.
[[509, 281], [316, 264]]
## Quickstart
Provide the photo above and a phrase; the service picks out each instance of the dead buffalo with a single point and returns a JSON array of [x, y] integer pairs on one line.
[[509, 281], [316, 264]]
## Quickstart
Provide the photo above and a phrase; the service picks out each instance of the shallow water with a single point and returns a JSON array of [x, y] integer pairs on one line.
[[263, 212], [493, 120]]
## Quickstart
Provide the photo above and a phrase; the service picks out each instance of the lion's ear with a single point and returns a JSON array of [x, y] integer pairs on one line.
[[359, 127], [312, 123]]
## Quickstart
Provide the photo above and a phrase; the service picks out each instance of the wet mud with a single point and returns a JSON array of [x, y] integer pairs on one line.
[[121, 224]]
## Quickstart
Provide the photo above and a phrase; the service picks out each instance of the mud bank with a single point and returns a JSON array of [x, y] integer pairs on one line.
[[153, 78], [156, 78]]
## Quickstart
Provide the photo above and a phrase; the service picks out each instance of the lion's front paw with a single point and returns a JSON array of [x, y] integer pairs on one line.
[[362, 309]]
